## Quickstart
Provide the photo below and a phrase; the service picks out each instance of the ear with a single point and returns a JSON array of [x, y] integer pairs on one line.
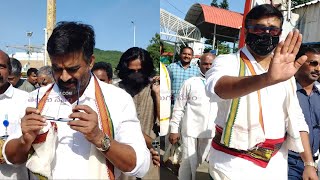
[[92, 60]]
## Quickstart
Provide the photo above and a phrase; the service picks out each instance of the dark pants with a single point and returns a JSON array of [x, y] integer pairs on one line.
[[295, 168]]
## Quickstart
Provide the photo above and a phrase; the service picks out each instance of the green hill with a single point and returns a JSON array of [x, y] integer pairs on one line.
[[111, 57]]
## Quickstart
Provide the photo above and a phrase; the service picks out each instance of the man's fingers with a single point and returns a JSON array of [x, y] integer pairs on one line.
[[78, 123], [277, 51], [287, 42], [79, 115], [85, 108], [299, 62], [298, 44], [294, 40], [31, 110]]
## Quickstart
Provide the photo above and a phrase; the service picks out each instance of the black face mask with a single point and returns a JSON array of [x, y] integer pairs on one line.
[[262, 45]]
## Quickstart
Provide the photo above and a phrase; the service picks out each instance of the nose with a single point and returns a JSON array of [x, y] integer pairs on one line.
[[65, 76]]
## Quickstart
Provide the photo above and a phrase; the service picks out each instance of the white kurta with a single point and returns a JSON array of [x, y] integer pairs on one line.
[[12, 106], [275, 118], [72, 153]]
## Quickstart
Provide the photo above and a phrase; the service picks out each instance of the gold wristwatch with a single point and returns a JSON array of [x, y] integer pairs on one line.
[[313, 164]]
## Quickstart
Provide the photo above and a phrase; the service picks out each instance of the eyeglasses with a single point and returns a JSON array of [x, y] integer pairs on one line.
[[50, 118], [259, 30]]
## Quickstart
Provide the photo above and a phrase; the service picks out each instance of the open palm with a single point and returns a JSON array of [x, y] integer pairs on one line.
[[283, 64]]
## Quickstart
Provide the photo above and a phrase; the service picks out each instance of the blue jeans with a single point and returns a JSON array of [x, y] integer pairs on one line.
[[295, 168]]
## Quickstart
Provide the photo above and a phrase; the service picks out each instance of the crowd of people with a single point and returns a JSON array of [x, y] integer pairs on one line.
[[253, 114], [68, 121]]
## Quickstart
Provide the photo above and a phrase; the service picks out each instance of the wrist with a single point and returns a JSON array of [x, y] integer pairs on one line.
[[310, 164]]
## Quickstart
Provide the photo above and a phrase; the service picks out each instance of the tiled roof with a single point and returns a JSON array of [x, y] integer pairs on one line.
[[222, 17]]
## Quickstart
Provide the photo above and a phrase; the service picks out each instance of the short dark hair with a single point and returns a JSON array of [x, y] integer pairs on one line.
[[16, 67], [147, 67], [32, 70], [8, 61], [103, 66], [68, 37], [305, 48], [263, 10], [186, 48]]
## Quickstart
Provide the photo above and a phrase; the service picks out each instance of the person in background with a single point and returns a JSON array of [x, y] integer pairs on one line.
[[15, 75], [182, 70], [194, 114], [89, 129], [12, 104], [259, 117], [30, 84], [44, 76], [103, 71], [136, 71], [309, 99]]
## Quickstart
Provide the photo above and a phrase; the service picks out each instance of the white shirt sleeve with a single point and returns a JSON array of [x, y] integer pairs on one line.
[[223, 65], [129, 132], [179, 107]]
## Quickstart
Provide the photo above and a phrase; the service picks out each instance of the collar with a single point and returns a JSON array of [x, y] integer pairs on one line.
[[9, 92], [248, 54], [202, 75], [314, 88], [180, 64]]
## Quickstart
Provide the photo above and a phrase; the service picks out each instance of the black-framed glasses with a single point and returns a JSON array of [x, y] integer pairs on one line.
[[50, 118], [313, 63], [259, 30]]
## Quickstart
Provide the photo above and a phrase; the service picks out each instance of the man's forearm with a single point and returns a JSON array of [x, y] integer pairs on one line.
[[229, 87], [306, 155], [17, 151], [121, 156]]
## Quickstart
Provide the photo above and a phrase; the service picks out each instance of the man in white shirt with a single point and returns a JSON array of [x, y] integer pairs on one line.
[[12, 107], [259, 116], [79, 127], [194, 114]]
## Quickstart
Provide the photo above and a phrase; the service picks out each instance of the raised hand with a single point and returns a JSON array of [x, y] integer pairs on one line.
[[86, 123], [31, 124], [283, 65]]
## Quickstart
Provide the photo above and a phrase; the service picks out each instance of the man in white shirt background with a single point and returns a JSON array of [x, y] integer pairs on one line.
[[194, 114], [102, 135], [12, 107]]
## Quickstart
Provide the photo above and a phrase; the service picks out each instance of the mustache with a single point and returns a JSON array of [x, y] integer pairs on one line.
[[1, 78], [70, 81], [316, 73]]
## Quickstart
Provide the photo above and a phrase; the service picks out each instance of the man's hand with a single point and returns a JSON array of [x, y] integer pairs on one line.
[[86, 123], [309, 173], [156, 85], [155, 157], [283, 65], [31, 124], [174, 138]]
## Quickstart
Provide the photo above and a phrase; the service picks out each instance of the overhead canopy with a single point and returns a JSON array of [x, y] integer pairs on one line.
[[207, 18], [175, 29]]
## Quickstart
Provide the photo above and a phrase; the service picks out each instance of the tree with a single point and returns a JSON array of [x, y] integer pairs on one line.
[[214, 3], [224, 4], [154, 50]]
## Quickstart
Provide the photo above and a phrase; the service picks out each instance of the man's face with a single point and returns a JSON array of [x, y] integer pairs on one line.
[[206, 63], [13, 79], [4, 71], [33, 78], [262, 35], [310, 70], [102, 75], [186, 55], [70, 69], [44, 80]]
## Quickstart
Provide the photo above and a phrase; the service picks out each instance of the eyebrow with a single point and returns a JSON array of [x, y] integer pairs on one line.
[[3, 65], [67, 68]]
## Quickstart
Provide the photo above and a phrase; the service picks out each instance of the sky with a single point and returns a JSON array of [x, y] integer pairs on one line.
[[111, 21], [181, 7]]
